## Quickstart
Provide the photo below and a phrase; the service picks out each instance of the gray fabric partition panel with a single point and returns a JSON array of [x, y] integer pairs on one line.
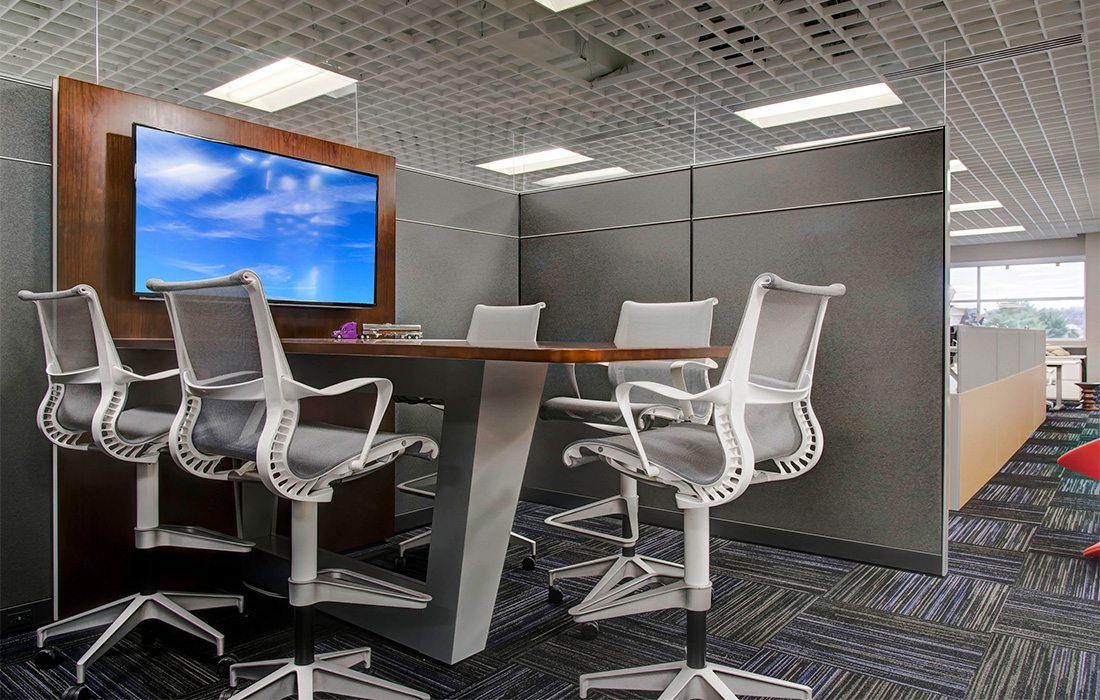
[[631, 202], [27, 459], [438, 200], [879, 377], [887, 167], [25, 121], [457, 246], [868, 214]]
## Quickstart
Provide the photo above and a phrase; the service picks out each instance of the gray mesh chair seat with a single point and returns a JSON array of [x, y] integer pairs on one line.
[[315, 449], [145, 423], [646, 415]]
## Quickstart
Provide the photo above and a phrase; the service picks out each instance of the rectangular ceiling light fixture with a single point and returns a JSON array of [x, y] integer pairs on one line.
[[530, 162], [986, 231], [840, 139], [561, 5], [827, 104], [956, 166], [280, 85], [585, 176], [975, 206]]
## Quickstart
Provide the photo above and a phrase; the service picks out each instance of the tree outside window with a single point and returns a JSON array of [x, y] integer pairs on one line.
[[1042, 296]]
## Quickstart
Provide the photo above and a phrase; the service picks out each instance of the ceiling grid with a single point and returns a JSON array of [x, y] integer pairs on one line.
[[646, 85]]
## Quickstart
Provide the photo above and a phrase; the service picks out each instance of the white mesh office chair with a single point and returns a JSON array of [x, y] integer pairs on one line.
[[86, 408], [762, 413], [240, 401], [678, 324], [489, 324]]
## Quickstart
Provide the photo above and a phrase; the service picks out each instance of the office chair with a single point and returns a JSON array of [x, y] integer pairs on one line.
[[240, 401], [489, 324], [86, 408], [679, 324], [762, 413]]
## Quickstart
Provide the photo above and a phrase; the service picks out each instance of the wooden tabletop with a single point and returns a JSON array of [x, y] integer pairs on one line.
[[578, 352]]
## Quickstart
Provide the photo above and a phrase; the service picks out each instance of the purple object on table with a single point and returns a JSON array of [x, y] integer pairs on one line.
[[348, 331]]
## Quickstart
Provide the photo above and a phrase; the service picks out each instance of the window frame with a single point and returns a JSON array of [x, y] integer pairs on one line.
[[978, 299]]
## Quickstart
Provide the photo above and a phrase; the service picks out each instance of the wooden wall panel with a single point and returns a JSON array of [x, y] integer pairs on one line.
[[95, 202]]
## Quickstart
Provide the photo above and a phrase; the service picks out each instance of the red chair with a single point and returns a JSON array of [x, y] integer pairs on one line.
[[1085, 460]]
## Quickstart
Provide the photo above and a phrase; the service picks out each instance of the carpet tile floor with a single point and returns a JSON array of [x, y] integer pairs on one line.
[[1017, 616]]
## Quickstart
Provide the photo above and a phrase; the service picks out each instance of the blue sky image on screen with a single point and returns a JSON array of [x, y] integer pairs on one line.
[[206, 209]]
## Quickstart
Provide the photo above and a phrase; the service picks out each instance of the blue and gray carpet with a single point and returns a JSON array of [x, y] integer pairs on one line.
[[1017, 616]]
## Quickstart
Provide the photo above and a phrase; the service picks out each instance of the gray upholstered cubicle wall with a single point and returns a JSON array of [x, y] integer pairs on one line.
[[457, 246], [27, 464], [868, 214]]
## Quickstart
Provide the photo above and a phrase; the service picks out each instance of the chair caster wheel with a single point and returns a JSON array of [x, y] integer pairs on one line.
[[589, 631], [528, 563], [227, 693], [554, 595], [77, 692], [46, 658], [225, 663], [400, 563]]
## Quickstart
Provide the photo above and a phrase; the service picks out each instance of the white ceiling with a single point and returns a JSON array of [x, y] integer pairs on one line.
[[647, 86]]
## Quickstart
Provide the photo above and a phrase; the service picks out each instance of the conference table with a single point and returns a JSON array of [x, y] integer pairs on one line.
[[491, 393]]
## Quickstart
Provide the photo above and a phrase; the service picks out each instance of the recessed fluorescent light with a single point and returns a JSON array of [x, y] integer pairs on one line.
[[582, 177], [984, 231], [827, 104], [840, 139], [975, 206], [280, 85], [530, 162], [956, 166], [561, 5]]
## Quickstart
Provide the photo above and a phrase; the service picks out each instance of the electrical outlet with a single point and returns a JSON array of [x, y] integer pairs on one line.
[[18, 618]]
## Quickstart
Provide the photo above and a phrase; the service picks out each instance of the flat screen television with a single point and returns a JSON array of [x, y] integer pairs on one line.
[[204, 208]]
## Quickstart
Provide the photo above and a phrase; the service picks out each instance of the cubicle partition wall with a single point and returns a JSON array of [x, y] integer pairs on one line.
[[457, 246], [25, 491], [999, 402], [870, 215]]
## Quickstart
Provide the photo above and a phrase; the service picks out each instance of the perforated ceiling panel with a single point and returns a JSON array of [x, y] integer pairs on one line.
[[646, 86]]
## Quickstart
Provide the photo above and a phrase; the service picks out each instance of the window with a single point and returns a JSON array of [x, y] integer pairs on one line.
[[1043, 296]]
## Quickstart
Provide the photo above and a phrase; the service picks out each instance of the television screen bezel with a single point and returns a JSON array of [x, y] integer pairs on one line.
[[280, 302]]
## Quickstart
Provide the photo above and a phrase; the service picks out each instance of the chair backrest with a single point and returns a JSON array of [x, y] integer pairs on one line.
[[505, 324], [666, 324], [776, 348], [224, 336], [85, 394]]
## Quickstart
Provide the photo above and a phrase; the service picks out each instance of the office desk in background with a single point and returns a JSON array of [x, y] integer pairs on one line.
[[491, 393], [1058, 364]]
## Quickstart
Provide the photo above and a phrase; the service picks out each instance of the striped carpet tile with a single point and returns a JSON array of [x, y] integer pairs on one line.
[[1019, 467], [830, 681], [751, 612], [1066, 575], [997, 565], [927, 656], [1026, 669], [1051, 618], [988, 532], [1084, 520], [1065, 542], [955, 600], [779, 567]]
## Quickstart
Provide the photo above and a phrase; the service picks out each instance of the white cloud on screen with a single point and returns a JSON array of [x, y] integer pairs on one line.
[[209, 270], [179, 174], [272, 274], [249, 212], [182, 230]]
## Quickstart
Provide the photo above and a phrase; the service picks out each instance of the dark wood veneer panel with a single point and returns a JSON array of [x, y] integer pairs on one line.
[[95, 202]]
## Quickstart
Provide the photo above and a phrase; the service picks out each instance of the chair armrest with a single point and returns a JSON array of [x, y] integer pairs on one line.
[[79, 376], [125, 375], [723, 394], [295, 390], [678, 381], [571, 370], [252, 390]]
